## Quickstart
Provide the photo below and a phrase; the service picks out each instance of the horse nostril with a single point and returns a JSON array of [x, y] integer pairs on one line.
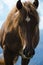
[[31, 53]]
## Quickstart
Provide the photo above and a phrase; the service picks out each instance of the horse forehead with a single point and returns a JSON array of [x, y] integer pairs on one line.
[[27, 19]]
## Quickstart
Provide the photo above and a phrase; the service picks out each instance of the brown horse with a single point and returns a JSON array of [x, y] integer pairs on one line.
[[19, 34]]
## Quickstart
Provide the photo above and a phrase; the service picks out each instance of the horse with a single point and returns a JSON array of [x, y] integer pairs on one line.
[[19, 34]]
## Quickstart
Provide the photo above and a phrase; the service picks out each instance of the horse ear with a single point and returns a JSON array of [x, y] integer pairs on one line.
[[19, 5], [36, 3]]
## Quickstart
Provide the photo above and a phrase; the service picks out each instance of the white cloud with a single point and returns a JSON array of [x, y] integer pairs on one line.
[[40, 9], [41, 22], [1, 8], [10, 3]]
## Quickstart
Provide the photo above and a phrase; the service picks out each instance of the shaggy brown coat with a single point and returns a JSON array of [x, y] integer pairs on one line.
[[17, 33]]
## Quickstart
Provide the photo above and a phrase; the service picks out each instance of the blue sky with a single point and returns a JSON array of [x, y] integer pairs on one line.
[[7, 5]]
